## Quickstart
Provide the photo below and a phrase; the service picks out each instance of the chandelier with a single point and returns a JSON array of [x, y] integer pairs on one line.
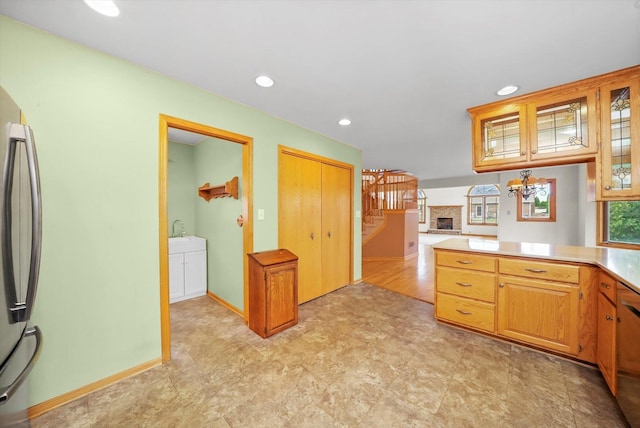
[[527, 185]]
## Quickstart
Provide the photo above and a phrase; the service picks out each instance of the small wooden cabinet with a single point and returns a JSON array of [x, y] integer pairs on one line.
[[607, 316], [273, 291]]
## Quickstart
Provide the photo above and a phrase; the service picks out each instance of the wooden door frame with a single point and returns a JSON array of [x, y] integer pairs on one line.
[[284, 150], [167, 122]]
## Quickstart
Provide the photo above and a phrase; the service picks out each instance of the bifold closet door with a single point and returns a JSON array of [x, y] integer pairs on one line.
[[299, 220], [336, 227]]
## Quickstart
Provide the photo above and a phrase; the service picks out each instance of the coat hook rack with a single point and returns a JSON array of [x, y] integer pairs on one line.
[[226, 190]]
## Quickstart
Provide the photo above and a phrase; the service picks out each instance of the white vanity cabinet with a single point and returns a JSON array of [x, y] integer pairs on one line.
[[187, 268]]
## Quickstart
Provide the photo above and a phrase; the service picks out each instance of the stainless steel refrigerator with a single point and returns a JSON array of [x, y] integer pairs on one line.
[[20, 239]]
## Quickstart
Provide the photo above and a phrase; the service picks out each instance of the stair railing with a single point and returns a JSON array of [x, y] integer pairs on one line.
[[387, 190]]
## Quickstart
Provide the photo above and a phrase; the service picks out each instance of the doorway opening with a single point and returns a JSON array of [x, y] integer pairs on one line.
[[246, 197]]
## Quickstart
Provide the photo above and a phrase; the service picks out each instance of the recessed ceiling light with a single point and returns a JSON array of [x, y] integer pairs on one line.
[[264, 81], [507, 90], [104, 7], [344, 122]]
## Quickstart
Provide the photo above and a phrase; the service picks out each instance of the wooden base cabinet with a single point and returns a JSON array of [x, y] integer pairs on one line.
[[539, 312], [273, 291], [607, 319], [606, 355], [465, 290], [546, 304]]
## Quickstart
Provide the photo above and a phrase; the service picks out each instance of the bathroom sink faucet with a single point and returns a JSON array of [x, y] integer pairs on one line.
[[173, 228]]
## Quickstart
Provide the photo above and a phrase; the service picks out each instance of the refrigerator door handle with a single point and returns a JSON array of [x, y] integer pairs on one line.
[[21, 311], [13, 306], [7, 392], [36, 223]]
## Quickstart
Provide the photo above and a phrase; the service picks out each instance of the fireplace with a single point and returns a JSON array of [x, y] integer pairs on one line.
[[445, 219], [444, 223]]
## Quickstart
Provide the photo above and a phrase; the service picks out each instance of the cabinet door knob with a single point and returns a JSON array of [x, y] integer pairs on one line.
[[312, 236], [533, 152], [329, 234], [524, 153], [607, 187], [609, 318], [501, 285], [603, 285]]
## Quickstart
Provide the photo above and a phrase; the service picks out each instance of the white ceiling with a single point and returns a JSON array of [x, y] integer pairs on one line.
[[403, 71]]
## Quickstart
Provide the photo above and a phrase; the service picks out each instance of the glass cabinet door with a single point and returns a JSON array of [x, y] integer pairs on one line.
[[620, 113], [562, 128], [500, 136]]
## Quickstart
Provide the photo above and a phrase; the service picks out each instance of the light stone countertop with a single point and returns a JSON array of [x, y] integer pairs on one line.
[[623, 265]]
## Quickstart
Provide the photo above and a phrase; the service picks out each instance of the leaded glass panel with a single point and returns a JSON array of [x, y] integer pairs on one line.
[[562, 127], [501, 137], [620, 139]]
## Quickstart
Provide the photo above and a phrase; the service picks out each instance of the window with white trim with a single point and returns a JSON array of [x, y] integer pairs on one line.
[[483, 202]]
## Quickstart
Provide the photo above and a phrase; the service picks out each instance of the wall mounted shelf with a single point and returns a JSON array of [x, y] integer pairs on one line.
[[228, 189]]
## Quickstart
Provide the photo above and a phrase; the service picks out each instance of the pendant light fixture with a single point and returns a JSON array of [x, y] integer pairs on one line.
[[527, 185]]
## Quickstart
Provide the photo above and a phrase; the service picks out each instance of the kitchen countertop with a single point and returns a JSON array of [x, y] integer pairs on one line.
[[623, 265]]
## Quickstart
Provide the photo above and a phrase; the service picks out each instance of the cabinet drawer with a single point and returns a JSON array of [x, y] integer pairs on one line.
[[466, 261], [474, 285], [539, 270], [468, 312], [607, 286]]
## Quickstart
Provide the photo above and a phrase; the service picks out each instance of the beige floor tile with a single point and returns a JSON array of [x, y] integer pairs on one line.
[[360, 356]]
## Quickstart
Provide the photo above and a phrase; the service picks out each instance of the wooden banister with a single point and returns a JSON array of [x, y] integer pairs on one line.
[[387, 190]]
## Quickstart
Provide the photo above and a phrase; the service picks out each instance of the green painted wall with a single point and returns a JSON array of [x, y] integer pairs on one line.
[[181, 189], [96, 119], [216, 162]]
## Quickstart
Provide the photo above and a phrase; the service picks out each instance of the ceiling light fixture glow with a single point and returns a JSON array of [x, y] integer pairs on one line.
[[264, 81], [104, 7], [344, 122], [507, 90]]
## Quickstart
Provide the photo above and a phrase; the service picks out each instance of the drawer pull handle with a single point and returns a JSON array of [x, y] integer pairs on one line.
[[464, 284], [536, 270], [463, 312], [603, 285], [609, 318], [464, 262]]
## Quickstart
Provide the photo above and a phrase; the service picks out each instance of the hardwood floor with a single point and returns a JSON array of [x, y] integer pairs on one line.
[[411, 277]]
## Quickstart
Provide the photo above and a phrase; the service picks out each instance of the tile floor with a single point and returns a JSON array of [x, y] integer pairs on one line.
[[359, 357]]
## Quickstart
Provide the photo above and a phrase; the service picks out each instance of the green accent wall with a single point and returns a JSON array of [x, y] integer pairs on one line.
[[181, 189], [216, 162], [95, 120]]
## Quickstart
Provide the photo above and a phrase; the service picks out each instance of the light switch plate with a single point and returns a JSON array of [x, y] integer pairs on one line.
[[260, 214]]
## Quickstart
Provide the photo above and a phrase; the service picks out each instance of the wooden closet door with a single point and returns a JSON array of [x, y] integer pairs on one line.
[[299, 221], [336, 227]]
